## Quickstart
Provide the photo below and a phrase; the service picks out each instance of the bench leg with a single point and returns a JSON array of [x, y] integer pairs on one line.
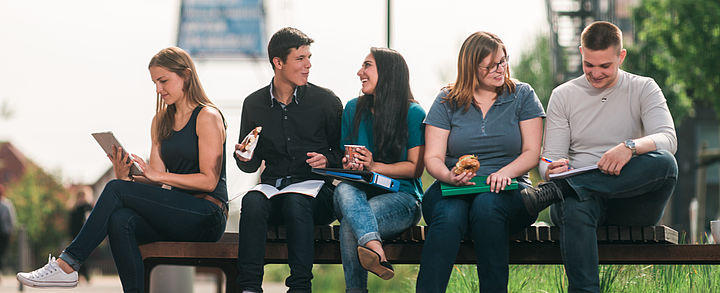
[[148, 270], [219, 275], [231, 274]]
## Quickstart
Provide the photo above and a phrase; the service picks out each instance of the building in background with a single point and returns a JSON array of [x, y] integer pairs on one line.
[[12, 163]]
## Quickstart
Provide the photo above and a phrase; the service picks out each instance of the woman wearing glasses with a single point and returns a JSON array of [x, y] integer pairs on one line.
[[498, 120]]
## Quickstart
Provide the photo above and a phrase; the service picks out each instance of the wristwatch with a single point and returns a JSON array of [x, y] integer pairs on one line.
[[629, 143]]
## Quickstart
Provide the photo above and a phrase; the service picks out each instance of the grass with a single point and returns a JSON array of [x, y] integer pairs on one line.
[[613, 278], [529, 278], [330, 278]]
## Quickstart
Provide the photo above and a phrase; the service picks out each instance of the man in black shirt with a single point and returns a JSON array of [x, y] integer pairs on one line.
[[300, 130]]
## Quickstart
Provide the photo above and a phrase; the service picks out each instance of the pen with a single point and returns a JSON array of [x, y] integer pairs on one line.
[[546, 160]]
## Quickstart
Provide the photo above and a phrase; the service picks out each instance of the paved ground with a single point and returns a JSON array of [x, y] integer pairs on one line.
[[111, 284]]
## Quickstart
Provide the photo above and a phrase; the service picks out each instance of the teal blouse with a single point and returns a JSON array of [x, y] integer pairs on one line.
[[416, 137]]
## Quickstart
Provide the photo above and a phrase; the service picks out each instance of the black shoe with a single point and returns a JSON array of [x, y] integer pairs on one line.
[[537, 199], [370, 260]]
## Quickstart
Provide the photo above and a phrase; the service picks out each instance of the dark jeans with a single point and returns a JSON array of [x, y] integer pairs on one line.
[[491, 219], [636, 197], [131, 213], [299, 213]]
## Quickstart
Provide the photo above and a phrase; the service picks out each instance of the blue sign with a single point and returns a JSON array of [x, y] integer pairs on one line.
[[222, 28]]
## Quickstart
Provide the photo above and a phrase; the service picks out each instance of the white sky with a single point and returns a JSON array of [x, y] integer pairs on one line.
[[70, 68]]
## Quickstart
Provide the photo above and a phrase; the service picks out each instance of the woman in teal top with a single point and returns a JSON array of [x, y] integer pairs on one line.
[[393, 138]]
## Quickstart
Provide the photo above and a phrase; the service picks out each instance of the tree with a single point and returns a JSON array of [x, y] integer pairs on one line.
[[534, 68], [38, 200], [678, 44]]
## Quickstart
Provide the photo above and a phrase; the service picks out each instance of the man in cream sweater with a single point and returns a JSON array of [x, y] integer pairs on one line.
[[621, 123]]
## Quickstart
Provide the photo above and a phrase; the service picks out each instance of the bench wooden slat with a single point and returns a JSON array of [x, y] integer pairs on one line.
[[636, 234], [602, 234], [336, 233], [544, 233], [625, 233], [613, 233], [664, 233]]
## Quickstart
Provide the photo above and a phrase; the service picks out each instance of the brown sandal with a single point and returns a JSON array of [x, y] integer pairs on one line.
[[370, 260]]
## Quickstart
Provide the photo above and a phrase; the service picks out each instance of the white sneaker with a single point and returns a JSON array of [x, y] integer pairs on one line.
[[51, 275]]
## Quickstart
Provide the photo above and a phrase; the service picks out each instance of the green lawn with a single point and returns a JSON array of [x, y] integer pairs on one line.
[[530, 278]]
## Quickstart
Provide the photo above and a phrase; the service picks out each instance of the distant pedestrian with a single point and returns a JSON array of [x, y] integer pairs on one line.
[[7, 223], [78, 214]]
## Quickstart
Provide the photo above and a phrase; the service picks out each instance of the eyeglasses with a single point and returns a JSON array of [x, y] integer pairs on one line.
[[496, 66]]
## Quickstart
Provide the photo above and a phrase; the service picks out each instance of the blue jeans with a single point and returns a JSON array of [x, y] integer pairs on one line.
[[491, 219], [367, 215], [299, 213], [636, 197], [132, 213]]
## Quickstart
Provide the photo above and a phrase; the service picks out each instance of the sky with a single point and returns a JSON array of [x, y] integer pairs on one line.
[[70, 68]]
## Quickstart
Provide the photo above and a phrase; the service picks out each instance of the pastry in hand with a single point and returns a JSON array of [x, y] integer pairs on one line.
[[247, 146], [250, 138], [467, 163]]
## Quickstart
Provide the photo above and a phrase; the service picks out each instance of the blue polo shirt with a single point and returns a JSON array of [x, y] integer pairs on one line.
[[494, 139], [416, 137]]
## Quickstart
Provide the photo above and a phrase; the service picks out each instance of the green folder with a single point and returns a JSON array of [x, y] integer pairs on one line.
[[479, 187]]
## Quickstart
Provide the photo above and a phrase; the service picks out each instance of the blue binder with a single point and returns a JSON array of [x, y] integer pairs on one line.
[[366, 177]]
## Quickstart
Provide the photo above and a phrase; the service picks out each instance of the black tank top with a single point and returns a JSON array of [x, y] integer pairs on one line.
[[180, 154]]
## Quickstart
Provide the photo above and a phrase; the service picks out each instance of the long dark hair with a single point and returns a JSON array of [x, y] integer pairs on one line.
[[392, 97]]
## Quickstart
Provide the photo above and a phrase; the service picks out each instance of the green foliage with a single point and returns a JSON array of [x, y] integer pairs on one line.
[[330, 278], [522, 278], [608, 275], [529, 278], [38, 201], [677, 45], [534, 68]]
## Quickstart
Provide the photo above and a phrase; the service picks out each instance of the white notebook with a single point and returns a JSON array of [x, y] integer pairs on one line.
[[573, 172]]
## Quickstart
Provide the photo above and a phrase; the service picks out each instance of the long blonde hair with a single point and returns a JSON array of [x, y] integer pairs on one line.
[[475, 48], [178, 61]]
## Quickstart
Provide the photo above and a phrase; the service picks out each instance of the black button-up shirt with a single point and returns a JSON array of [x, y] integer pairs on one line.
[[309, 123]]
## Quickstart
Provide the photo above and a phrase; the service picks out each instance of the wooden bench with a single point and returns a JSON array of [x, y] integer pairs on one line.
[[534, 245]]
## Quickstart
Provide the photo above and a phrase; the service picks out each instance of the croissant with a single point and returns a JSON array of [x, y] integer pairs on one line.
[[467, 163]]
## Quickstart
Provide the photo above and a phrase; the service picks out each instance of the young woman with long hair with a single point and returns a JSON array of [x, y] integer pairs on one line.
[[187, 154], [387, 122]]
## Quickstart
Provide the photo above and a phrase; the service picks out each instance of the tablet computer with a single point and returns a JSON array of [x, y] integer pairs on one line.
[[107, 140]]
